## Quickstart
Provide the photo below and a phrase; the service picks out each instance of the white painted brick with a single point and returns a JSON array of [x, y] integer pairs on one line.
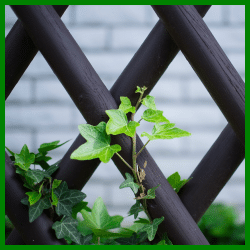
[[229, 37], [10, 16], [106, 63], [190, 115], [214, 15], [15, 139], [130, 37], [89, 37], [237, 14], [21, 92], [36, 116], [38, 66], [51, 90], [167, 89], [238, 61], [110, 14]]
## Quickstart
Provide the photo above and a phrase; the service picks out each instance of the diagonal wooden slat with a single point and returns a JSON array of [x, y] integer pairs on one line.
[[86, 90], [19, 52], [209, 61]]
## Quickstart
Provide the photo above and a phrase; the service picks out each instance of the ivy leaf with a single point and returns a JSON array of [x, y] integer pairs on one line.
[[126, 106], [129, 182], [33, 197], [55, 184], [150, 193], [152, 228], [25, 158], [149, 102], [67, 228], [142, 220], [151, 115], [12, 153], [108, 234], [99, 217], [135, 209], [67, 198], [162, 242], [45, 147], [97, 145], [78, 207], [36, 210], [118, 123], [174, 179], [37, 175], [86, 240], [53, 168], [181, 184], [165, 131]]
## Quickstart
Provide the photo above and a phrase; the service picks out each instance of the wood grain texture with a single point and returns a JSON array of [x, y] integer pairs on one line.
[[208, 60], [92, 97]]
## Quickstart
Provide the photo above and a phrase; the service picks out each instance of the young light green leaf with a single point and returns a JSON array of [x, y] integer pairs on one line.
[[126, 106], [36, 175], [118, 123], [140, 89], [67, 198], [142, 220], [129, 182], [155, 116], [165, 131], [181, 184], [108, 234], [99, 217], [33, 197], [150, 193], [45, 147], [135, 209], [78, 207], [152, 228], [149, 102], [55, 184], [174, 179], [67, 228], [25, 158], [12, 153], [97, 145], [36, 210]]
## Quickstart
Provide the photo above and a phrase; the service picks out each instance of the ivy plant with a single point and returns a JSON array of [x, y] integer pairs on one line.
[[96, 226]]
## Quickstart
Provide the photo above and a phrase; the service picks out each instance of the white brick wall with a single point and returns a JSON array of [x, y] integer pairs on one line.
[[39, 109]]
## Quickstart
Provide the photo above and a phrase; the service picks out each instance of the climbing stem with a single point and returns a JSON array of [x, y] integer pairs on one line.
[[125, 161], [142, 148]]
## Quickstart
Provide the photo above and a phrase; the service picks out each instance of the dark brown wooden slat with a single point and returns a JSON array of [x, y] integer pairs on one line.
[[40, 231], [212, 173], [19, 52], [209, 61], [91, 96]]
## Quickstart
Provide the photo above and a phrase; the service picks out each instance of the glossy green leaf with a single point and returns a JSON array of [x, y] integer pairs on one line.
[[118, 123], [55, 184], [67, 228], [162, 242], [142, 220], [99, 217], [165, 131], [151, 193], [174, 179], [25, 158], [97, 145], [36, 175], [12, 153], [45, 147], [108, 234], [36, 210], [51, 169], [126, 106], [135, 209], [78, 207], [149, 102], [155, 116], [152, 228], [33, 197], [181, 184], [129, 182], [67, 198]]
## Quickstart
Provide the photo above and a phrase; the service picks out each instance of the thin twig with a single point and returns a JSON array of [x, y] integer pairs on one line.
[[142, 148], [125, 162]]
